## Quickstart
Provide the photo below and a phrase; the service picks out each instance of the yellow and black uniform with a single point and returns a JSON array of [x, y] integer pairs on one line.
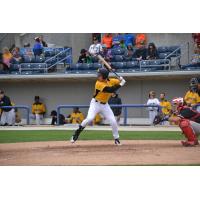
[[76, 117], [166, 110], [38, 108], [192, 98], [104, 89]]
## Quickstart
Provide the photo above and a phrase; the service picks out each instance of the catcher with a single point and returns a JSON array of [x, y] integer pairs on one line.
[[187, 119]]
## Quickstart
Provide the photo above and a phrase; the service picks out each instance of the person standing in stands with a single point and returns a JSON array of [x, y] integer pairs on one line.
[[96, 47], [38, 110], [153, 111], [107, 40], [6, 113], [44, 44], [54, 118], [116, 100], [152, 52], [37, 48], [140, 40], [129, 38], [7, 57]]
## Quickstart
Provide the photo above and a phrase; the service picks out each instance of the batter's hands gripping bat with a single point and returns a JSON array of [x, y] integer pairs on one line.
[[107, 65]]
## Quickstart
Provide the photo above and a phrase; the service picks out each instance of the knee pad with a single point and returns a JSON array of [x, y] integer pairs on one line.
[[187, 130]]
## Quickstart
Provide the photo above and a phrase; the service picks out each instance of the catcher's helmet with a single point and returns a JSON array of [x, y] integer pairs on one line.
[[103, 72], [177, 100], [193, 82]]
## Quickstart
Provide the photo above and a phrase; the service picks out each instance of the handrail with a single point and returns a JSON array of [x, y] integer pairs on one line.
[[173, 51], [124, 106], [21, 107]]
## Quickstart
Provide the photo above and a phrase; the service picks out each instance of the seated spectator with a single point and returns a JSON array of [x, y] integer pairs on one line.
[[28, 51], [7, 57], [196, 38], [95, 48], [152, 101], [17, 57], [6, 113], [54, 118], [152, 52], [97, 120], [38, 110], [128, 55], [116, 100], [37, 48], [141, 53], [191, 97], [122, 44], [140, 40], [44, 44], [166, 106], [106, 53], [76, 117], [107, 40], [84, 57], [129, 38], [116, 40]]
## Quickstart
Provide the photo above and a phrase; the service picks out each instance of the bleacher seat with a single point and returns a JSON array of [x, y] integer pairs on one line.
[[118, 51], [96, 66], [28, 59], [119, 65], [14, 67], [163, 55], [163, 49], [132, 65], [118, 58], [39, 59], [49, 52]]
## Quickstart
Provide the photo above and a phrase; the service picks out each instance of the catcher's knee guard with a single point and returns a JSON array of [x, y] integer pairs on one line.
[[189, 133]]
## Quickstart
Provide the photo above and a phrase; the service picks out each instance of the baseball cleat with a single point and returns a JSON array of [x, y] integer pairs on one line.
[[117, 142], [188, 143], [76, 134]]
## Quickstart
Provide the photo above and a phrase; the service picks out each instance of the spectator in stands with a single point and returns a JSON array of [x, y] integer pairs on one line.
[[196, 37], [6, 113], [122, 44], [140, 40], [107, 40], [141, 53], [117, 39], [38, 110], [106, 53], [128, 55], [37, 48], [84, 57], [54, 118], [116, 100], [44, 44], [152, 52], [76, 117], [17, 57], [95, 48], [152, 101], [166, 106], [7, 57], [129, 38], [28, 51]]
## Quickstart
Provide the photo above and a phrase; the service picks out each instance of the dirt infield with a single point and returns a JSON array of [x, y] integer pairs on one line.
[[132, 152]]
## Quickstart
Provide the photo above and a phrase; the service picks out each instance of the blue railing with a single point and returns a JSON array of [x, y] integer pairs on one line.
[[21, 107], [123, 106]]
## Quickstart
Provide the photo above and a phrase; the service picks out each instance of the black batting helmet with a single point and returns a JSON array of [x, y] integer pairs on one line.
[[103, 72]]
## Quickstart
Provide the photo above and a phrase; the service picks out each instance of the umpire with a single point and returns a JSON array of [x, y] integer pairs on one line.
[[114, 99]]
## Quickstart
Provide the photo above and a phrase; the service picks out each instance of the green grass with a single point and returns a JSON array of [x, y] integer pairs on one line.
[[60, 135]]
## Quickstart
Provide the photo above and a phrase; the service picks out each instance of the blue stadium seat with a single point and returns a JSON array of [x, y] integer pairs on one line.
[[163, 49], [96, 66], [118, 51], [119, 65], [132, 65], [163, 55], [39, 59], [49, 52], [95, 59], [28, 59], [26, 65], [14, 67], [118, 58]]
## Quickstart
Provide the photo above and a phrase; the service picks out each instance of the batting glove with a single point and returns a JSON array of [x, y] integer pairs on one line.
[[122, 81]]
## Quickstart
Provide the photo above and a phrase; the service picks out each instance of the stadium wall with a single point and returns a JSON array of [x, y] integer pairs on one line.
[[80, 91]]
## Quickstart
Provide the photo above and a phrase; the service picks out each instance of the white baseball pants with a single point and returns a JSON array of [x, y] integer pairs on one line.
[[8, 117], [105, 110], [152, 114]]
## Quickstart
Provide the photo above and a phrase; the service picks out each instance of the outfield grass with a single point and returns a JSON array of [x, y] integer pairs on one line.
[[60, 135]]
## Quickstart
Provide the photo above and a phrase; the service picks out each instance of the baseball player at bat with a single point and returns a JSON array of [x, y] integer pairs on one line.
[[104, 87]]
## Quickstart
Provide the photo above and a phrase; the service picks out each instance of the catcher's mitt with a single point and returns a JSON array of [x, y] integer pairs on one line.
[[157, 119]]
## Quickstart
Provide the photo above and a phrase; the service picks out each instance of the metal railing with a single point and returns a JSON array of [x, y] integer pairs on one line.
[[21, 107], [123, 106]]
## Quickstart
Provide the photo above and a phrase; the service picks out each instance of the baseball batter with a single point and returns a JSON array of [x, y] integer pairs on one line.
[[104, 87]]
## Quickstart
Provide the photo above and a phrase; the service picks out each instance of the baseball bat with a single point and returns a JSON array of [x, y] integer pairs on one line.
[[107, 65]]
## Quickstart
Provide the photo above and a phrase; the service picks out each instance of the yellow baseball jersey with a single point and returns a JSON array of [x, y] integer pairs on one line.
[[101, 96], [38, 108], [76, 118], [192, 98], [166, 107]]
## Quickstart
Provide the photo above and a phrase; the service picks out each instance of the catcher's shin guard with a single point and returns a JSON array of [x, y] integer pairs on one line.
[[189, 133], [76, 134]]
